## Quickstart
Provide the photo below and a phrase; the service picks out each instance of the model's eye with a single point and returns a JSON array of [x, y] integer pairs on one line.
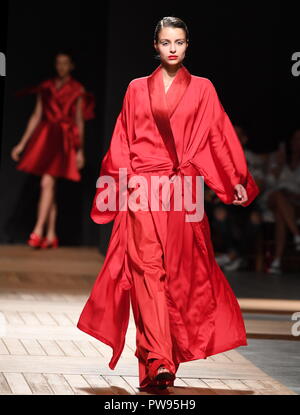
[[166, 43]]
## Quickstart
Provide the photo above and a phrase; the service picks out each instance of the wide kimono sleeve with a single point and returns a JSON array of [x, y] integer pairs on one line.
[[223, 159], [116, 158]]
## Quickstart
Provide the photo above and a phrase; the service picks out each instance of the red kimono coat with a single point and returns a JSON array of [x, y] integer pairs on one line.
[[53, 145], [184, 132]]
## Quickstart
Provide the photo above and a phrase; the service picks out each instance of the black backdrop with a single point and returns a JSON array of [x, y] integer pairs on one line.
[[245, 49]]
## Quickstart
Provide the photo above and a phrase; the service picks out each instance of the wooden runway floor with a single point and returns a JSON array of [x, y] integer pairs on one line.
[[42, 352]]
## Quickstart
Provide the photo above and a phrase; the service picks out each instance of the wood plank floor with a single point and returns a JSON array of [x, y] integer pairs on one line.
[[42, 352]]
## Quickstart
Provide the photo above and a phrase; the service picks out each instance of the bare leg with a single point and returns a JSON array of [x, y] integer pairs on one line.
[[47, 185], [51, 224]]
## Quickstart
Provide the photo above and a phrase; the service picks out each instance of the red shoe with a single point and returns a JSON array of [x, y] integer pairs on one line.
[[49, 244], [161, 379], [35, 241]]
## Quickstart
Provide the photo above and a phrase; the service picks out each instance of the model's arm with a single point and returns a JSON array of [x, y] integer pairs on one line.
[[32, 123], [220, 133], [80, 120], [223, 157], [80, 123]]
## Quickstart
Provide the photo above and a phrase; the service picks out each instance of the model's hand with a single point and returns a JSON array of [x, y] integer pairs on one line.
[[80, 159], [240, 194], [15, 152]]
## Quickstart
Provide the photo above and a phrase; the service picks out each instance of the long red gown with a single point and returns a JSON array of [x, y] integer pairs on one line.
[[53, 144], [185, 131]]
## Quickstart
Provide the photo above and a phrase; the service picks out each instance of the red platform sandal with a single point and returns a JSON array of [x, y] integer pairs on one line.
[[161, 379], [35, 241], [49, 244]]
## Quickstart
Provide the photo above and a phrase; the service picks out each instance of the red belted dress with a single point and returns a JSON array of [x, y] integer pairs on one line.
[[54, 142]]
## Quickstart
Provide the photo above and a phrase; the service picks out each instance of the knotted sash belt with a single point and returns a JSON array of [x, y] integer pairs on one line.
[[119, 265]]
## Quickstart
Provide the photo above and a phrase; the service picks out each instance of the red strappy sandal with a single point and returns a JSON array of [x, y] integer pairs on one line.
[[35, 241], [47, 244], [160, 379]]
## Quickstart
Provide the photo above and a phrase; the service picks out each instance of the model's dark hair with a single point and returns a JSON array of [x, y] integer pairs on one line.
[[67, 52], [170, 21]]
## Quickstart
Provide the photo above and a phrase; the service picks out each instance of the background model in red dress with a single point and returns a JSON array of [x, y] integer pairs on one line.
[[53, 145]]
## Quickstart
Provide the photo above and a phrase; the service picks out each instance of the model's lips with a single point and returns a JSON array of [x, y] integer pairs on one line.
[[172, 57]]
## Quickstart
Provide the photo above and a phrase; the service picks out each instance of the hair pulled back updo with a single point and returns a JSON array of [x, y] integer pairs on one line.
[[67, 52], [170, 21]]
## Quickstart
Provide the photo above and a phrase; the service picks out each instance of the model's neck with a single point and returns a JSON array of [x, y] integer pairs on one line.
[[63, 78], [171, 71]]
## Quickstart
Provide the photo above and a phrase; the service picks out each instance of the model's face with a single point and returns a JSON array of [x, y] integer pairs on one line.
[[171, 42], [63, 65]]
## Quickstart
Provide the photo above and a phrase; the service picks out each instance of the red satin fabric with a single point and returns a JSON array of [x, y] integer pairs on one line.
[[148, 292], [53, 145], [183, 132]]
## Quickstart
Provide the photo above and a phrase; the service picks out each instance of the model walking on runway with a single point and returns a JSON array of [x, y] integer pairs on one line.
[[52, 145], [172, 125]]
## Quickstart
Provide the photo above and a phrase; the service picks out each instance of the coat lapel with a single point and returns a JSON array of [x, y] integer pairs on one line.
[[163, 105]]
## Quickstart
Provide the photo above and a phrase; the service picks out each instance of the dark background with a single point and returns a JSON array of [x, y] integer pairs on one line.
[[3, 49], [245, 50]]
